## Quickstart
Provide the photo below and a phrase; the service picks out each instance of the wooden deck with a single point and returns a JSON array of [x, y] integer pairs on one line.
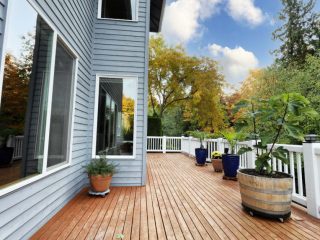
[[180, 201]]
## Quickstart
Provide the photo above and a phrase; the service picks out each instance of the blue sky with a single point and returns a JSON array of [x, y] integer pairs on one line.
[[237, 33], [22, 20]]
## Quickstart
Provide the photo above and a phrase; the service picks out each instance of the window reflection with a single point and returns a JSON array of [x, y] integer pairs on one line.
[[116, 109], [24, 94], [119, 9]]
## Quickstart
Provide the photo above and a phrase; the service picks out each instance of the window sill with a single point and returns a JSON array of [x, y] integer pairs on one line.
[[118, 20], [24, 183], [117, 157]]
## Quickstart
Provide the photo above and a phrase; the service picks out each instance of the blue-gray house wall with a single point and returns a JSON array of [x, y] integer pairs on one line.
[[103, 47], [26, 209], [120, 48]]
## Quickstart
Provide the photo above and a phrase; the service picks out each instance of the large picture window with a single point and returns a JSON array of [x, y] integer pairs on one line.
[[37, 66], [115, 118], [118, 9]]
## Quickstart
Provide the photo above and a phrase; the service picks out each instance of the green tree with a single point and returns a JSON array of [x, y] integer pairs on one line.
[[300, 32], [170, 76], [191, 83]]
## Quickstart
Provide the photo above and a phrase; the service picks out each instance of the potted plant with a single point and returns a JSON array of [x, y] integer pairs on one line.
[[100, 172], [231, 161], [200, 153], [264, 191], [216, 157]]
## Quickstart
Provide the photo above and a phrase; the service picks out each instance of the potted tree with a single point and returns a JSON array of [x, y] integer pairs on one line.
[[231, 161], [100, 172], [201, 153], [216, 158], [264, 191]]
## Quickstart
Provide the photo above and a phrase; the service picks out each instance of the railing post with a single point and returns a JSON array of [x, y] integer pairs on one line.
[[220, 145], [164, 144], [189, 147], [311, 156], [181, 143]]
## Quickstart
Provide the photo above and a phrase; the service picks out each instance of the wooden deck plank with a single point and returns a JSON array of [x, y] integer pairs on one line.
[[129, 217], [143, 215], [135, 233], [94, 217], [122, 216], [179, 201], [115, 216], [212, 219], [179, 225], [293, 234], [103, 214]]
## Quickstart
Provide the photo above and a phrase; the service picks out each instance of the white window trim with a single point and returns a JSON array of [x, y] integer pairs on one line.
[[116, 19], [46, 171], [95, 117]]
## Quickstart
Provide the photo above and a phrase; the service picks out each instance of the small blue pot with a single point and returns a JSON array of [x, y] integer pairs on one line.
[[230, 164], [201, 155]]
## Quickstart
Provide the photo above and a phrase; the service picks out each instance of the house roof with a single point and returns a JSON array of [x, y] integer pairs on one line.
[[156, 15]]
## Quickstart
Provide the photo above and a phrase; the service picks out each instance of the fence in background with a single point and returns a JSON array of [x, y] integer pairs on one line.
[[303, 163]]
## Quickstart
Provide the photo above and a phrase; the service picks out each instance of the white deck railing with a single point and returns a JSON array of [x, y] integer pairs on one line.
[[303, 159], [18, 147], [164, 144]]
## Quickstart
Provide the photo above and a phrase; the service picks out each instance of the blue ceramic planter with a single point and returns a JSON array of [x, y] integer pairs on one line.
[[201, 155], [230, 164]]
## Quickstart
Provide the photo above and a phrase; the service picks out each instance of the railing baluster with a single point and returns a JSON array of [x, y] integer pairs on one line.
[[299, 171], [292, 171]]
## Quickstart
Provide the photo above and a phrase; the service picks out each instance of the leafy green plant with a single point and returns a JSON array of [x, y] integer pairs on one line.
[[100, 166], [278, 117], [200, 135], [233, 137], [216, 155]]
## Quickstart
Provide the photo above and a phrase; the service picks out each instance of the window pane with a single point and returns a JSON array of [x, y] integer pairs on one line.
[[24, 94], [61, 107], [119, 9], [115, 126]]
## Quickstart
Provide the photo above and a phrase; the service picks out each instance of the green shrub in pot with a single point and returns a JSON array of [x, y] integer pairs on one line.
[[270, 122]]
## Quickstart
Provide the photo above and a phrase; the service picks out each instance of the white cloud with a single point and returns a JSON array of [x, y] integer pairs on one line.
[[182, 19], [236, 62], [246, 11]]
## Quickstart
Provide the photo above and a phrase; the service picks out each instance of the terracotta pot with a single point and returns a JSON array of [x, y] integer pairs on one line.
[[100, 183], [217, 164], [269, 197]]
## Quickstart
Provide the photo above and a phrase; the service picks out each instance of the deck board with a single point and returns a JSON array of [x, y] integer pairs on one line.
[[180, 201]]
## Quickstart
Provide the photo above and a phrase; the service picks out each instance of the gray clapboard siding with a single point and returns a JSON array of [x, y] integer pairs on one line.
[[103, 46], [120, 47], [22, 212], [3, 10]]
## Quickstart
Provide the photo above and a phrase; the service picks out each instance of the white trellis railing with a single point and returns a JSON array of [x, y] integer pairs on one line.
[[18, 147], [303, 163], [164, 144]]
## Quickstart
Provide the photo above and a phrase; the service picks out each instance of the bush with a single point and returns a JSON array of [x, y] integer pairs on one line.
[[154, 126], [100, 166]]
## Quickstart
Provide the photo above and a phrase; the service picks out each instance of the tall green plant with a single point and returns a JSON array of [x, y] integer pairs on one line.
[[200, 135], [233, 137], [279, 116]]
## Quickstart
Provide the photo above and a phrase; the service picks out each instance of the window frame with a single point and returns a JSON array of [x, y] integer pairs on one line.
[[46, 171], [117, 19], [124, 77]]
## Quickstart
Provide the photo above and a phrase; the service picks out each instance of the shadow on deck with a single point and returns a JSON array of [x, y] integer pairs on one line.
[[180, 201]]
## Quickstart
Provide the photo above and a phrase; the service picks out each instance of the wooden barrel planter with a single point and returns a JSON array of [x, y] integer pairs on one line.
[[264, 196]]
